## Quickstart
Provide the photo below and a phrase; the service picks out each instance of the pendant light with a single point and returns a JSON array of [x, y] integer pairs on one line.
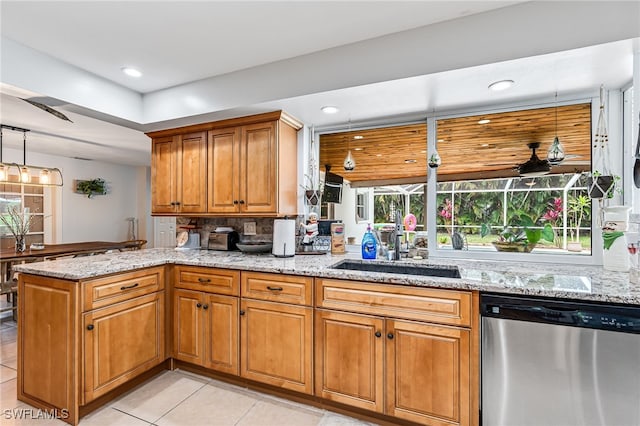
[[27, 174], [555, 155], [349, 163]]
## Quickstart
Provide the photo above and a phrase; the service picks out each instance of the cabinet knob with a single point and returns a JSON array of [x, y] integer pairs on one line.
[[177, 203], [241, 201], [90, 327], [235, 201], [274, 288], [205, 307], [241, 312], [199, 305], [173, 203], [204, 280], [378, 334], [390, 335]]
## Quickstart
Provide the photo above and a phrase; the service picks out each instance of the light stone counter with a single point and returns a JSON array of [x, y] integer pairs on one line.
[[552, 280]]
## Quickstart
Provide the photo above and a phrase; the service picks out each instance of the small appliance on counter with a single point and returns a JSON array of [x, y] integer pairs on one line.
[[223, 238], [284, 238]]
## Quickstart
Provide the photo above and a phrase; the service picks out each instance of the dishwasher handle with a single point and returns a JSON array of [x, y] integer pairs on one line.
[[537, 313]]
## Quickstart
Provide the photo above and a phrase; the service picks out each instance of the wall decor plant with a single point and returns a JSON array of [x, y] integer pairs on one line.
[[91, 187]]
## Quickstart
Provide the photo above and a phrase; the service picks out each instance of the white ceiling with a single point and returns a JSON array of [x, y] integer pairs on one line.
[[185, 49]]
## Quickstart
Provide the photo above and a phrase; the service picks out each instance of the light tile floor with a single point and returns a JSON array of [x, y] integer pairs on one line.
[[171, 398]]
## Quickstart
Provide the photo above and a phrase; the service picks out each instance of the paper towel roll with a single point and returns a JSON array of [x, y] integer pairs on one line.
[[284, 237]]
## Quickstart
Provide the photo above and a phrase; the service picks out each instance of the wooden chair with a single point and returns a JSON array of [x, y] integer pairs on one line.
[[10, 288]]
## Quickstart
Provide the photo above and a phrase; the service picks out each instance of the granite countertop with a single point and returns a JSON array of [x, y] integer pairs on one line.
[[579, 282]]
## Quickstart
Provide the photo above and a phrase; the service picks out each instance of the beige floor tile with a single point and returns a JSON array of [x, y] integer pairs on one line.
[[109, 416], [8, 393], [157, 397], [7, 374], [210, 405], [334, 419], [266, 413]]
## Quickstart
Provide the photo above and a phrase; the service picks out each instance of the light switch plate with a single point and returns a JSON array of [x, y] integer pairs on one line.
[[250, 228]]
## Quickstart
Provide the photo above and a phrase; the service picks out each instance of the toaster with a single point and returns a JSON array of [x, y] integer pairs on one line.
[[223, 240]]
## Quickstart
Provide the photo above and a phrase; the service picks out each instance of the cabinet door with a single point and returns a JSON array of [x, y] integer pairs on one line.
[[163, 176], [350, 359], [428, 373], [122, 341], [258, 169], [188, 333], [276, 344], [221, 333], [192, 172], [223, 153]]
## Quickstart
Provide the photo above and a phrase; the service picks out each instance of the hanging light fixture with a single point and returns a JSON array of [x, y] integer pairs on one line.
[[555, 155], [27, 174], [349, 163]]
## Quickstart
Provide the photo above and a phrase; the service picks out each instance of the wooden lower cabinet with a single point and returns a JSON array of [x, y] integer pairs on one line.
[[206, 330], [426, 367], [276, 346], [121, 341], [428, 372], [350, 359]]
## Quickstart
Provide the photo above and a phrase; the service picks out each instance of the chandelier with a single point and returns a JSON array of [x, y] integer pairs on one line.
[[23, 174]]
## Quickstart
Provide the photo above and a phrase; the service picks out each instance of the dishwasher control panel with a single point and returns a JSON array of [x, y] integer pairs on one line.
[[588, 315]]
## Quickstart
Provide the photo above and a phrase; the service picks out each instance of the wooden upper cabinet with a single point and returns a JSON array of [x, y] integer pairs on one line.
[[163, 175], [241, 166], [192, 172], [223, 177], [178, 174]]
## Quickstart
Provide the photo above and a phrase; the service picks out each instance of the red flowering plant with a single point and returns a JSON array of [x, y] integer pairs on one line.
[[553, 214], [446, 212]]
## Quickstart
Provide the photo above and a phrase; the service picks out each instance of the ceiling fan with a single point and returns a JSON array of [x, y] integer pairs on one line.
[[535, 166]]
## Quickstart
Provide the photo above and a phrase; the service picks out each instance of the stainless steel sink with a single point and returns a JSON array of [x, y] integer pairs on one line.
[[399, 268]]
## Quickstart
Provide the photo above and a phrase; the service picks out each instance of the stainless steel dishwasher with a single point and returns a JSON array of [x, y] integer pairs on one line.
[[548, 362]]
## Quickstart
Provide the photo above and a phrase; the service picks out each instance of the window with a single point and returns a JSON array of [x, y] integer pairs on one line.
[[559, 200], [362, 205], [27, 197]]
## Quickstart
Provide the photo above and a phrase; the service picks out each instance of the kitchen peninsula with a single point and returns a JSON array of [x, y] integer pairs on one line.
[[278, 325]]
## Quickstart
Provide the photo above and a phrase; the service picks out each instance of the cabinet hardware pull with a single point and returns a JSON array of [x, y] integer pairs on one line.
[[390, 335], [378, 334], [177, 203], [241, 201], [126, 287], [241, 312], [173, 203], [274, 288], [90, 327], [205, 307], [199, 305], [204, 280], [235, 201]]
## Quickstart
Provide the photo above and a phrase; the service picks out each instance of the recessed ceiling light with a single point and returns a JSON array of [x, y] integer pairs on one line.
[[484, 145], [358, 149], [440, 140], [424, 151], [358, 137], [484, 121], [329, 109], [131, 72], [410, 161], [501, 85], [378, 155]]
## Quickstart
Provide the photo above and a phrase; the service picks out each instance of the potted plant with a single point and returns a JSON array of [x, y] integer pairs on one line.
[[91, 187], [578, 207], [602, 186], [523, 236]]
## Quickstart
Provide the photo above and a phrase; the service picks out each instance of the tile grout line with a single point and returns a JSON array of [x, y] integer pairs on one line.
[[128, 414], [247, 412], [183, 400]]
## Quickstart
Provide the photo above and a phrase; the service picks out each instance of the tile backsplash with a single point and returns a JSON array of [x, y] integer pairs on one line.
[[264, 225]]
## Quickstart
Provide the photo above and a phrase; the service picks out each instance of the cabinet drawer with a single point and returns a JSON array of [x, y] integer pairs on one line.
[[277, 288], [423, 304], [117, 288], [210, 280]]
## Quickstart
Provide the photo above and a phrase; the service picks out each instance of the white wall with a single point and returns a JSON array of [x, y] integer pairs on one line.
[[102, 217]]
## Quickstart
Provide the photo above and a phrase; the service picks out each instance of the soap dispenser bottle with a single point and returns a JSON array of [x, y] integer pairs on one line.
[[369, 248]]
